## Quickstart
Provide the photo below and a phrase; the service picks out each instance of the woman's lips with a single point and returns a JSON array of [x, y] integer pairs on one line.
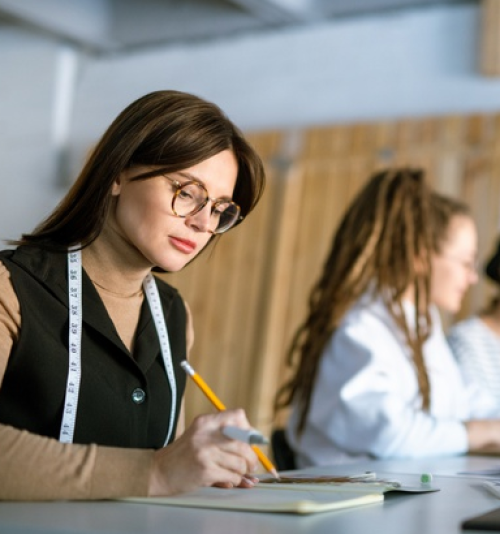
[[182, 245]]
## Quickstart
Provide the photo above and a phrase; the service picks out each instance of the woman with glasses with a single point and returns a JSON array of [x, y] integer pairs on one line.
[[374, 376], [91, 396], [475, 341]]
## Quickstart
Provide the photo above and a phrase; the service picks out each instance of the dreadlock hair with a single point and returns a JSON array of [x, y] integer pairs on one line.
[[383, 244]]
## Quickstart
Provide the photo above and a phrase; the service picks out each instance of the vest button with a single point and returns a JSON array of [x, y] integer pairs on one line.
[[138, 395]]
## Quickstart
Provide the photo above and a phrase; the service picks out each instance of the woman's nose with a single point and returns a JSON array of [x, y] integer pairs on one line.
[[473, 277], [201, 220]]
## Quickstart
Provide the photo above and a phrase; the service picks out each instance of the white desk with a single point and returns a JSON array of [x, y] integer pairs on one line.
[[430, 513]]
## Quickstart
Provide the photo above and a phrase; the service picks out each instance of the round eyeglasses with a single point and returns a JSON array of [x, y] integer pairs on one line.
[[471, 266], [192, 196]]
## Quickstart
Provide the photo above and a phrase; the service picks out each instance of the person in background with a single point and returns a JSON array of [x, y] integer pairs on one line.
[[91, 394], [475, 341], [375, 377]]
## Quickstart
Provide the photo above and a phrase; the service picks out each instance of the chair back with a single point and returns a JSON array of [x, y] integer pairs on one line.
[[284, 456]]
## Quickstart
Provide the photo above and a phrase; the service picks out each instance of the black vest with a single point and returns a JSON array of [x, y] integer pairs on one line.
[[112, 408]]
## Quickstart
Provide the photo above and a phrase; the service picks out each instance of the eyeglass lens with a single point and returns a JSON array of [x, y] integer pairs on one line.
[[191, 197]]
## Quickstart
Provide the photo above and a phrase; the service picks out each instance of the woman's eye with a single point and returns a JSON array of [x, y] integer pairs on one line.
[[185, 195], [220, 208]]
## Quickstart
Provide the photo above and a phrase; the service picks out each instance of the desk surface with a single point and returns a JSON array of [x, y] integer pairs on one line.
[[428, 513]]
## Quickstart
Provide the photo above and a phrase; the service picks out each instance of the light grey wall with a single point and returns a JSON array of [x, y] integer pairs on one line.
[[420, 62], [26, 151]]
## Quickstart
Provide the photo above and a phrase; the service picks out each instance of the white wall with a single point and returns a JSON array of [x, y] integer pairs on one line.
[[419, 62], [26, 159]]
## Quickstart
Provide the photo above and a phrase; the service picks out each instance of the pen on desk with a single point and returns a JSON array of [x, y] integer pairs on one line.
[[212, 397]]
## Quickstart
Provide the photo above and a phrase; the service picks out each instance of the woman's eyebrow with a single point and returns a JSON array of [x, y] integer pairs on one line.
[[192, 177], [189, 176]]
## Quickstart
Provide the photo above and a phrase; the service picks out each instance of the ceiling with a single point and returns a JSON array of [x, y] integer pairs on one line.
[[124, 26]]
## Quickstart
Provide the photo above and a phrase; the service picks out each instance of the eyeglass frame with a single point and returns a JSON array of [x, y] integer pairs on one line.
[[471, 266], [179, 185]]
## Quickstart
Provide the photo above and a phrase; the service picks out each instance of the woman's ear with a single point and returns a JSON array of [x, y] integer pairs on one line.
[[117, 186], [422, 263], [419, 266]]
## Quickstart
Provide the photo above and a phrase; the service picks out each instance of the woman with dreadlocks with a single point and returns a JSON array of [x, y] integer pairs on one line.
[[375, 376]]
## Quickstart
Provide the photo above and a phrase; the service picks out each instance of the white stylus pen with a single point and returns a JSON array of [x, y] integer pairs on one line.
[[250, 436]]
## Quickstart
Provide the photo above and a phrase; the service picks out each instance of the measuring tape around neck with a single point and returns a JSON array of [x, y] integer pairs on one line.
[[75, 341], [74, 349], [153, 296]]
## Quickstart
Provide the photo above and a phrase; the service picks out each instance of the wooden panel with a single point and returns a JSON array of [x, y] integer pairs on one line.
[[250, 292], [454, 150], [273, 331], [489, 59], [223, 290]]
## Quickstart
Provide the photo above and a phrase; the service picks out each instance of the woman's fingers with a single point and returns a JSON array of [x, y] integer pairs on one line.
[[203, 456], [236, 457]]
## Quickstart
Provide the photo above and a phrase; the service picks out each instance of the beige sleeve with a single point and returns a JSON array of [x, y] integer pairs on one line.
[[39, 468], [10, 319], [34, 467]]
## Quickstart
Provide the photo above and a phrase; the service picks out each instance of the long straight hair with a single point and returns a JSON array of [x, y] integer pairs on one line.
[[171, 129]]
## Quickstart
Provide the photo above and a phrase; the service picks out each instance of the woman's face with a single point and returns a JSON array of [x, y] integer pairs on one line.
[[454, 267], [144, 219]]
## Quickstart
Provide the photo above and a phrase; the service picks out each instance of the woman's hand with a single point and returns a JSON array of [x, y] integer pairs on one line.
[[483, 435], [203, 456]]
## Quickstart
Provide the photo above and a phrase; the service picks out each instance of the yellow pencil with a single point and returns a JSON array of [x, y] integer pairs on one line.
[[212, 397]]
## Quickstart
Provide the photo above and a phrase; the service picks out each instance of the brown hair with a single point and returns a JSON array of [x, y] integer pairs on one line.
[[384, 241], [169, 128], [492, 271]]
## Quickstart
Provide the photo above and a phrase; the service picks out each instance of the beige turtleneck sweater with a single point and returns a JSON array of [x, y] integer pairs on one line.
[[34, 467]]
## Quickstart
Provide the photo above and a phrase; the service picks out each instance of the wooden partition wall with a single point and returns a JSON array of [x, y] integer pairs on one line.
[[249, 293]]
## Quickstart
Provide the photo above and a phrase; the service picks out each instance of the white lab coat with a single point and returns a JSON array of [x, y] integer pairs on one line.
[[366, 401]]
